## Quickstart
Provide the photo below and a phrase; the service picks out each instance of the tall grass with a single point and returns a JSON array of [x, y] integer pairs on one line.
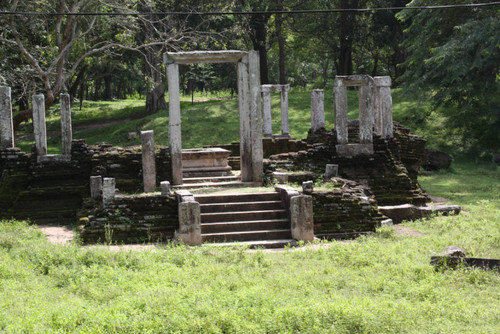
[[378, 284]]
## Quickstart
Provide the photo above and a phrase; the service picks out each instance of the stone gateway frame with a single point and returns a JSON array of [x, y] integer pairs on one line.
[[249, 96]]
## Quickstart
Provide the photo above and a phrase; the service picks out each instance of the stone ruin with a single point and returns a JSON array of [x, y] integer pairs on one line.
[[376, 159]]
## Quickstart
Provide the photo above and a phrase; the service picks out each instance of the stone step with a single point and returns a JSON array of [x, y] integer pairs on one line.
[[206, 174], [209, 178], [278, 243], [249, 225], [240, 206], [247, 235], [206, 169], [237, 197], [233, 184], [242, 216]]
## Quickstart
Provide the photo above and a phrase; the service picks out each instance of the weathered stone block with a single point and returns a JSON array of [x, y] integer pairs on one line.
[[301, 212]]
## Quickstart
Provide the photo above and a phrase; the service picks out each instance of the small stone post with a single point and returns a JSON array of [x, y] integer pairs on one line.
[[6, 127], [66, 130], [39, 124], [189, 218], [301, 212], [266, 109], [317, 110], [165, 188], [108, 190], [285, 126], [148, 161], [331, 170], [96, 188]]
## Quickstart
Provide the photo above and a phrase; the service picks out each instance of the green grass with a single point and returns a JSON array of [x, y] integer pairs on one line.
[[378, 284]]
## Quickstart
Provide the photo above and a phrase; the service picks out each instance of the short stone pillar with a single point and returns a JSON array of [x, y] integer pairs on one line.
[[308, 187], [382, 117], [189, 218], [331, 170], [148, 160], [301, 212], [39, 127], [108, 190], [266, 91], [280, 177], [165, 188], [317, 110], [96, 188], [66, 130], [6, 127]]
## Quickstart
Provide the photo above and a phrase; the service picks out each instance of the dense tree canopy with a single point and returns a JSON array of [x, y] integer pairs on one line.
[[451, 54]]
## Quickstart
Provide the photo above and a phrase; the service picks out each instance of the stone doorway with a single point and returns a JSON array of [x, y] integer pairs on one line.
[[249, 105]]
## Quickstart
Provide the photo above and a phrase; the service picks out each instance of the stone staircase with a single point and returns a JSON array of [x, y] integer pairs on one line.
[[254, 219]]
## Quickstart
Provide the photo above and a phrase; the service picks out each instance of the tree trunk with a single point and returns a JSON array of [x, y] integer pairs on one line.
[[281, 43], [258, 35], [155, 98], [347, 23]]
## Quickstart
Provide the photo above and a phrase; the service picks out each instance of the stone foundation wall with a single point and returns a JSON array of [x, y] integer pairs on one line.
[[383, 172], [53, 191], [130, 219], [348, 210]]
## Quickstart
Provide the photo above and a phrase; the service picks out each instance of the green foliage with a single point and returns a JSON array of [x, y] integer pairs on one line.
[[455, 57]]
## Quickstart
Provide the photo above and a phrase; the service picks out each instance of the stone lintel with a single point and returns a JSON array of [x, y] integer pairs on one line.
[[275, 88], [352, 150], [353, 80], [198, 57]]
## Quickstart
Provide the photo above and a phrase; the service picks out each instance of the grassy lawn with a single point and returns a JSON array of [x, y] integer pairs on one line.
[[377, 284]]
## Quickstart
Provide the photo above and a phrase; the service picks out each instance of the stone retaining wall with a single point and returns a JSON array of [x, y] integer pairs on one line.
[[130, 219]]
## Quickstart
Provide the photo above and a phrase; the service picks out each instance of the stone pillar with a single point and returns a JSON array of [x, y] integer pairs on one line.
[[340, 94], [365, 114], [257, 155], [6, 127], [66, 130], [285, 125], [148, 161], [301, 211], [383, 107], [174, 121], [189, 218], [249, 96], [96, 188], [39, 126], [266, 106], [108, 190], [317, 110]]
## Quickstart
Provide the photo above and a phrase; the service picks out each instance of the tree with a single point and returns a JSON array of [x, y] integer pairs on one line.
[[455, 58]]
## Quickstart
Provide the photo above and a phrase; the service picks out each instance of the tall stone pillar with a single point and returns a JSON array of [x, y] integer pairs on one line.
[[6, 127], [365, 114], [174, 121], [257, 151], [340, 92], [266, 106], [148, 161], [66, 130], [317, 110], [285, 123], [39, 126], [383, 107]]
